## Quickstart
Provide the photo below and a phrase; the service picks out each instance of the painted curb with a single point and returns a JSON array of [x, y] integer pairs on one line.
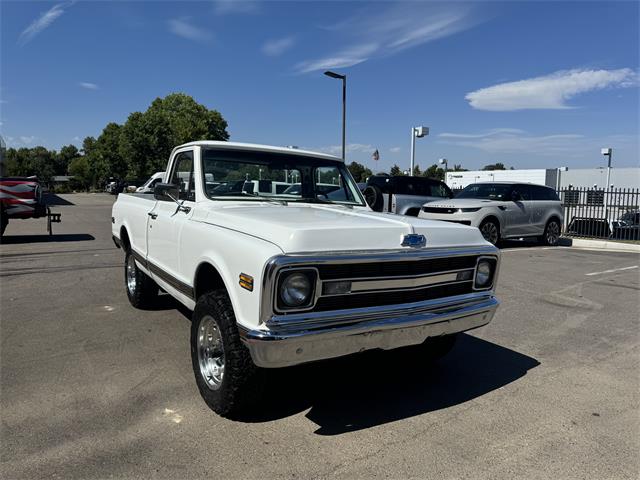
[[604, 245]]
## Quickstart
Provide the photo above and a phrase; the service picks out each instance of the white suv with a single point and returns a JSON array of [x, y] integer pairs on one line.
[[503, 210]]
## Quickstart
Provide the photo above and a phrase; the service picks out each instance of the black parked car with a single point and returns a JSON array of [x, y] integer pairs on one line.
[[403, 195]]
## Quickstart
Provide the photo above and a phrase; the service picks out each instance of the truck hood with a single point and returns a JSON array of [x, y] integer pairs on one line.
[[322, 228], [464, 203]]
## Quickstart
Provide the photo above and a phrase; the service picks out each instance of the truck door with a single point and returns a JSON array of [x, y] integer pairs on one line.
[[167, 221]]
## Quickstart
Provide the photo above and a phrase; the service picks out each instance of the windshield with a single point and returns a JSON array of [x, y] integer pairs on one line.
[[248, 175], [489, 191]]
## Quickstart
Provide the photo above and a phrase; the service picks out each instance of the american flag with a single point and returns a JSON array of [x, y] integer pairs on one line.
[[376, 155]]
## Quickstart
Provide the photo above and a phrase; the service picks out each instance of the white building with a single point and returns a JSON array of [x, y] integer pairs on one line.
[[552, 177]]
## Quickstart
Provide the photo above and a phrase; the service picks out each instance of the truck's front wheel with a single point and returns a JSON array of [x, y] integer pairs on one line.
[[226, 376], [142, 291]]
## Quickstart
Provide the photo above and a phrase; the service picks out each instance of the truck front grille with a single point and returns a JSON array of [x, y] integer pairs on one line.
[[395, 269], [395, 282], [394, 297]]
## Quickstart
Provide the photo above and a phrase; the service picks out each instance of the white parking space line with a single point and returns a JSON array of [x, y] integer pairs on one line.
[[611, 271]]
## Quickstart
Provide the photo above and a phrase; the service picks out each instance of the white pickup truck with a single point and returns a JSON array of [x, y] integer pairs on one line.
[[282, 262]]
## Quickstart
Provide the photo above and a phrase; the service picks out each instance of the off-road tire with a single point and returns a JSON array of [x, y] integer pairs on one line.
[[551, 234], [434, 348], [242, 383], [375, 199], [144, 292], [494, 227]]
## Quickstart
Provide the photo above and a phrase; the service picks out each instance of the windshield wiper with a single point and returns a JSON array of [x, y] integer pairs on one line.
[[266, 199], [314, 200]]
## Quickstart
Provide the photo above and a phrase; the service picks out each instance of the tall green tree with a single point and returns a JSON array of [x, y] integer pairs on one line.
[[360, 172], [434, 171], [80, 170], [494, 166], [396, 171], [64, 157], [147, 138], [105, 159]]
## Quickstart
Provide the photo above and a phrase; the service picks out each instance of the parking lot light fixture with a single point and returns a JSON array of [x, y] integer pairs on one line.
[[416, 132], [338, 76], [443, 161]]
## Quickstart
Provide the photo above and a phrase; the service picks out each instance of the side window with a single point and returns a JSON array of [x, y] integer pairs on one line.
[[182, 175], [329, 184], [537, 193], [440, 190], [547, 193], [523, 190]]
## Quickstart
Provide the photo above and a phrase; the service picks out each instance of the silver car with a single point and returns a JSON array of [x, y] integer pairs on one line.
[[503, 210]]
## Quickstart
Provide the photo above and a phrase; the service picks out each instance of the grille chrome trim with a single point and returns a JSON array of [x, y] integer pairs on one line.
[[391, 283], [302, 260]]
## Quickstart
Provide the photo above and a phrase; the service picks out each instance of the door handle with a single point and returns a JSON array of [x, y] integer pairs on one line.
[[153, 215]]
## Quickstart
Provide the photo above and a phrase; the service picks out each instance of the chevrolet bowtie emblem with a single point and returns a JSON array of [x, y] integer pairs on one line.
[[414, 240]]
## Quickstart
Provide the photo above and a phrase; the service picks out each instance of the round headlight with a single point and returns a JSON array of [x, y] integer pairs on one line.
[[483, 273], [295, 290]]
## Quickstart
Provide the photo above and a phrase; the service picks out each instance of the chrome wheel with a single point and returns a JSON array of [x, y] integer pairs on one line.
[[131, 275], [210, 352], [489, 232], [553, 233]]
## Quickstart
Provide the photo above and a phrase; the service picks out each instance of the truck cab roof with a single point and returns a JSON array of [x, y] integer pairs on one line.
[[257, 147]]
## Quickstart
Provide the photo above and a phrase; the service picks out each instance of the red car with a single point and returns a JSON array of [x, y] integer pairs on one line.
[[21, 197]]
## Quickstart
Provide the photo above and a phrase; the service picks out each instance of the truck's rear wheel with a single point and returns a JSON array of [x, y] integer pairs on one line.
[[227, 378], [142, 291]]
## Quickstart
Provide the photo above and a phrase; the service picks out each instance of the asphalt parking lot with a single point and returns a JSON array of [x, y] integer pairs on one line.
[[91, 388]]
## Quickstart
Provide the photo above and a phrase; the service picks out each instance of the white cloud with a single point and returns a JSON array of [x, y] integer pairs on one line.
[[392, 29], [42, 22], [27, 140], [350, 148], [345, 58], [395, 149], [277, 47], [184, 28], [227, 7], [515, 141], [88, 85], [549, 91]]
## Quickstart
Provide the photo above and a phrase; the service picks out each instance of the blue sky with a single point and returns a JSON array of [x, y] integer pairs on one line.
[[529, 84]]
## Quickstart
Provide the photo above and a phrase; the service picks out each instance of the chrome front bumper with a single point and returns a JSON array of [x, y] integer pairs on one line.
[[355, 331]]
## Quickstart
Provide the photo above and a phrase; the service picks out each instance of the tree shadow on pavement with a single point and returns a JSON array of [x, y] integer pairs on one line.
[[377, 387], [46, 238]]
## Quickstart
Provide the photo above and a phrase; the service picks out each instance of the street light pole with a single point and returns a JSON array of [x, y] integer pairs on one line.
[[443, 161], [416, 132], [331, 74], [413, 151]]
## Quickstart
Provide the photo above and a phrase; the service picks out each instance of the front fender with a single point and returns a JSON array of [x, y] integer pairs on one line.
[[231, 253]]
